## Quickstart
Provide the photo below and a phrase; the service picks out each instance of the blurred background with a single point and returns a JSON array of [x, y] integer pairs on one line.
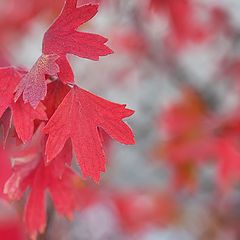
[[177, 64]]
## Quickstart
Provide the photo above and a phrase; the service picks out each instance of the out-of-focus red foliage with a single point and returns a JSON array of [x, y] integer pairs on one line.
[[186, 24], [139, 211], [20, 23], [189, 135], [23, 15], [5, 170], [10, 225], [194, 136], [130, 41]]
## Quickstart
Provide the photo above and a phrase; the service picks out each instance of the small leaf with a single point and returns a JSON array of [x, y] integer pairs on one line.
[[33, 85]]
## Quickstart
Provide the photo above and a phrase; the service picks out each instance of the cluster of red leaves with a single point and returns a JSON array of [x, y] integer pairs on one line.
[[199, 136], [51, 116]]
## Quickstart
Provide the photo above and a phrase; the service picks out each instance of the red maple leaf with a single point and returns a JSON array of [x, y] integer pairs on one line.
[[78, 117], [62, 38]]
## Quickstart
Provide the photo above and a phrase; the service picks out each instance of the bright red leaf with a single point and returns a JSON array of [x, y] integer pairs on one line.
[[78, 117], [62, 38]]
